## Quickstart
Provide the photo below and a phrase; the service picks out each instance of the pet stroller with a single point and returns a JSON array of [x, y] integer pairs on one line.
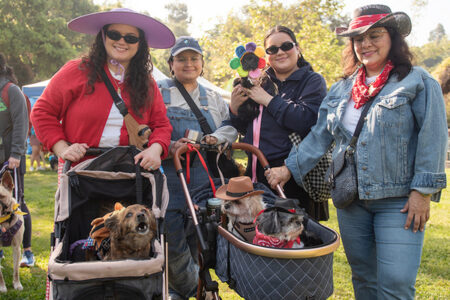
[[87, 191], [257, 272]]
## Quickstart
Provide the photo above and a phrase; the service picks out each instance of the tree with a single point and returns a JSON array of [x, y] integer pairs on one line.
[[35, 38], [437, 34], [311, 20], [178, 21], [430, 55]]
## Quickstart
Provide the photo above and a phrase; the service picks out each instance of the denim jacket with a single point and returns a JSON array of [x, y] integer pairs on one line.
[[402, 145]]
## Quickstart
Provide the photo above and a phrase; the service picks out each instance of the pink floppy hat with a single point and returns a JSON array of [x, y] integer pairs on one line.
[[157, 34]]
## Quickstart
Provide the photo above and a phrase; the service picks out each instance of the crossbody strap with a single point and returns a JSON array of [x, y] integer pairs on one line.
[[118, 101], [360, 124], [198, 114]]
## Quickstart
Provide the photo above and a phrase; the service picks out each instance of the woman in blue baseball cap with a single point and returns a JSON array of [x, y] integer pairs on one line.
[[186, 66]]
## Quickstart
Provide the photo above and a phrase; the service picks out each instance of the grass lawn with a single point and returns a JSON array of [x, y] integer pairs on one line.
[[433, 280]]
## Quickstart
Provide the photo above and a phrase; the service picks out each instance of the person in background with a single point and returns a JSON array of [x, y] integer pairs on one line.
[[186, 65], [400, 153], [36, 152], [293, 110], [13, 138]]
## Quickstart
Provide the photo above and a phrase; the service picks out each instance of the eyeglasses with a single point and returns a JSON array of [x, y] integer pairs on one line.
[[116, 36], [286, 46], [184, 60], [372, 37]]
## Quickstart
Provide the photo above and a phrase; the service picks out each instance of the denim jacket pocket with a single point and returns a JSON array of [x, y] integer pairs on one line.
[[394, 111]]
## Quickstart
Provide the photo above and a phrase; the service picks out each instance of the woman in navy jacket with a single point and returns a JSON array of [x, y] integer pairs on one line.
[[293, 109]]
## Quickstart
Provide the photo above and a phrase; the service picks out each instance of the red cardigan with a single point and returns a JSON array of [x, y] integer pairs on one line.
[[65, 111]]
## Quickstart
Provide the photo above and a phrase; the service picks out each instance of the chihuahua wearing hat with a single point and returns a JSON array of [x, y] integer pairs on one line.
[[241, 203]]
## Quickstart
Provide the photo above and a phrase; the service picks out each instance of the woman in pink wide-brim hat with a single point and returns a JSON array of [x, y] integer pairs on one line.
[[76, 110]]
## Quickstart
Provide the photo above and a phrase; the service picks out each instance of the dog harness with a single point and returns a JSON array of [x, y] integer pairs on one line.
[[273, 242], [246, 230], [7, 236]]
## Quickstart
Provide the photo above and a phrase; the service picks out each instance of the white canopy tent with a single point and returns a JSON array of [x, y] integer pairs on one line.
[[33, 91]]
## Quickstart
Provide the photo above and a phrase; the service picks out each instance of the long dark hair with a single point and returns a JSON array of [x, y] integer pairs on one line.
[[136, 77], [399, 54], [280, 28], [6, 70]]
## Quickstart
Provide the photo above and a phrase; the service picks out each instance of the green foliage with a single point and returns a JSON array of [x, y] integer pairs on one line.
[[178, 20], [35, 38], [311, 21], [442, 75], [430, 55], [437, 34]]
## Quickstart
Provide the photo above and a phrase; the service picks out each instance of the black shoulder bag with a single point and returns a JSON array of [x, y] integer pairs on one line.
[[227, 166], [342, 175]]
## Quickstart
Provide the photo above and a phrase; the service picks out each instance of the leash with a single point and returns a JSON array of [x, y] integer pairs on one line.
[[191, 148]]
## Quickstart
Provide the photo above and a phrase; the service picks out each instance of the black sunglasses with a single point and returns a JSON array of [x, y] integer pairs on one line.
[[286, 46], [116, 36]]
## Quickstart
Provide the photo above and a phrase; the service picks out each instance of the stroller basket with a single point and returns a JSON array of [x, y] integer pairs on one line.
[[257, 272], [86, 192]]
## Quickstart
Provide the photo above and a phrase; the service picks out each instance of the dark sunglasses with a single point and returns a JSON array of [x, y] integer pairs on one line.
[[116, 36], [286, 46]]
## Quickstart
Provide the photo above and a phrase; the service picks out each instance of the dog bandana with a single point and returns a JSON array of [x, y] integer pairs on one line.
[[361, 93], [273, 242], [8, 235], [16, 211]]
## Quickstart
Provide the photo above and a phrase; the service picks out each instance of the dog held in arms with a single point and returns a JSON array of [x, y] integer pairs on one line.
[[241, 203], [12, 227], [131, 232]]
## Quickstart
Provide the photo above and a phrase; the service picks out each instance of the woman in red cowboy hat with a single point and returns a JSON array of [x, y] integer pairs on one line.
[[399, 154], [76, 110]]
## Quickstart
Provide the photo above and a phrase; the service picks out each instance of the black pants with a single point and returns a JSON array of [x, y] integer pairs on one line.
[[26, 243], [317, 211]]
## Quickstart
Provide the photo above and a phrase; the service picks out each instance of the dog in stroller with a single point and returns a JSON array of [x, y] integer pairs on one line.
[[85, 192], [253, 271]]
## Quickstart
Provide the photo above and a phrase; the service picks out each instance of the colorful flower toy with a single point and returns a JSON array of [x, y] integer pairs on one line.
[[249, 61]]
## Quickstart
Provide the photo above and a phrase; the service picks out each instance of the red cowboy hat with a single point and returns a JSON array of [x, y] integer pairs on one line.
[[376, 15]]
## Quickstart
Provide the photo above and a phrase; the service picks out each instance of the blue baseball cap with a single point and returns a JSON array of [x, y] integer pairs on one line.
[[184, 43]]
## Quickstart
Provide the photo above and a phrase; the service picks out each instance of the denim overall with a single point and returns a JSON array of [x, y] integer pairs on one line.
[[183, 272]]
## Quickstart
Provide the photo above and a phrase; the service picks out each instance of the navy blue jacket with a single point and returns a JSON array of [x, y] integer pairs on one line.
[[295, 108]]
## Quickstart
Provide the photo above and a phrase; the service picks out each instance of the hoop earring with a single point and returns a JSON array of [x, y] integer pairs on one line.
[[172, 72], [201, 74]]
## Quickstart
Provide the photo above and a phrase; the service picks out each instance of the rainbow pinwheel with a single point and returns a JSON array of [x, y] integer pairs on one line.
[[249, 61]]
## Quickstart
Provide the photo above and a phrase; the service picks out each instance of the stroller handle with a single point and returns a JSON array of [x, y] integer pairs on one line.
[[243, 146], [89, 152]]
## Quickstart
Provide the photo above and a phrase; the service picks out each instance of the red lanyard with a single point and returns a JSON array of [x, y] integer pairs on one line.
[[188, 175]]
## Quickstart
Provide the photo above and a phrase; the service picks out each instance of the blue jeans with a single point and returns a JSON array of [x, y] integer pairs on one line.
[[384, 257]]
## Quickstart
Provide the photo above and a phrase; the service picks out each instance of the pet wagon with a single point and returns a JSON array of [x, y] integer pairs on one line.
[[87, 191], [257, 272]]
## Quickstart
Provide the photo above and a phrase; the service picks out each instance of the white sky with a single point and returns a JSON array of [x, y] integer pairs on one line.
[[206, 13]]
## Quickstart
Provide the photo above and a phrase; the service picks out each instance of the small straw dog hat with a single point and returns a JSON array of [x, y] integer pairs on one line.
[[237, 188]]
